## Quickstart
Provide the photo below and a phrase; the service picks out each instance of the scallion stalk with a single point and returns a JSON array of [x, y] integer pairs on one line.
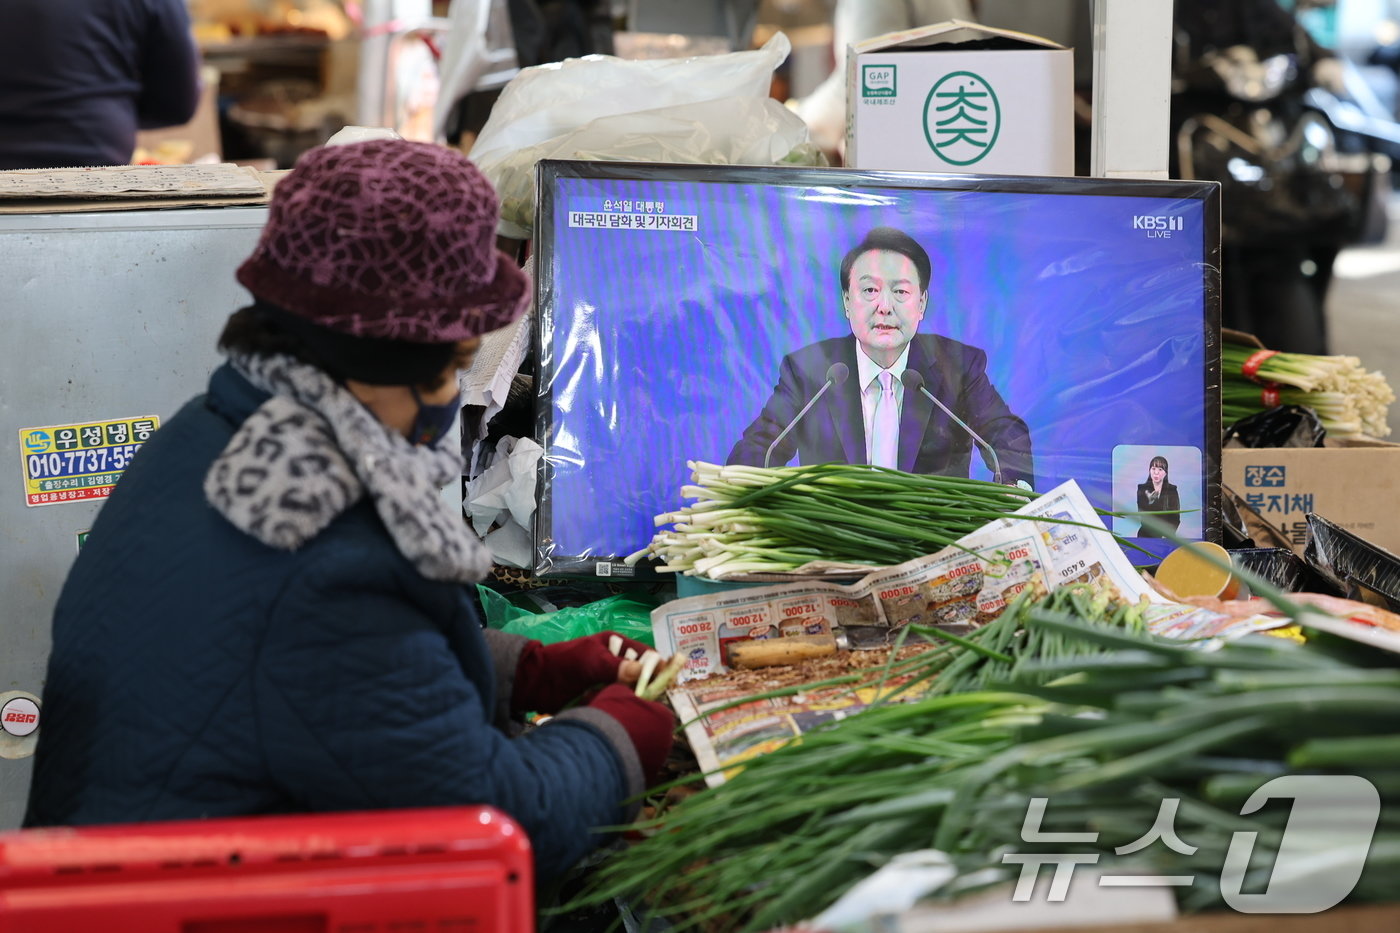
[[751, 519]]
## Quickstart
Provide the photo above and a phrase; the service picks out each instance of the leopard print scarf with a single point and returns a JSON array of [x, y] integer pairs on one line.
[[312, 451]]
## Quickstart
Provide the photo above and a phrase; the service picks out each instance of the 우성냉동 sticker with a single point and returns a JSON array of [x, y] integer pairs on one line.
[[73, 462]]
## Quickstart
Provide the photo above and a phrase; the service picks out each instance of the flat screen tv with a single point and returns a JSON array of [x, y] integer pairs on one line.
[[1068, 326]]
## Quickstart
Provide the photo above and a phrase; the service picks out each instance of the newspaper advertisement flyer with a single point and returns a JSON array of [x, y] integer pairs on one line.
[[961, 587], [731, 735], [958, 588]]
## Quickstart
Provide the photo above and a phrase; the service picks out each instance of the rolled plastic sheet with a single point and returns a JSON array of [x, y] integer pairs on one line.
[[1359, 569], [1282, 568], [1280, 426]]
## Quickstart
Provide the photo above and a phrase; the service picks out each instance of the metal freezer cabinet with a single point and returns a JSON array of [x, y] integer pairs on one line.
[[105, 319]]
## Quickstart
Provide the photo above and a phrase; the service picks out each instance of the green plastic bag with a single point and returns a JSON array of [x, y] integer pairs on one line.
[[628, 615]]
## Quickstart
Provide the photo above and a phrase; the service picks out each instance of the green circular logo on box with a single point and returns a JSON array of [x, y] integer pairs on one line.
[[962, 118]]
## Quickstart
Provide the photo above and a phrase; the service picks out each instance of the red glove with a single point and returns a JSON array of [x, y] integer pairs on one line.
[[548, 677], [649, 725]]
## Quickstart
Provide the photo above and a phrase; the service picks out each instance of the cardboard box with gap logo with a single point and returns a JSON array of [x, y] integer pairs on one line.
[[957, 97]]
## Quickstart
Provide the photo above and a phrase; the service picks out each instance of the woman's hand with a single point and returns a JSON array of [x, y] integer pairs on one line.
[[634, 657], [629, 672], [549, 677]]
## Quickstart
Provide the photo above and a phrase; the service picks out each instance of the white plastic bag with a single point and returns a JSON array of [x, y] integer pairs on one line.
[[477, 53], [500, 503], [728, 131], [711, 109], [550, 100], [351, 133]]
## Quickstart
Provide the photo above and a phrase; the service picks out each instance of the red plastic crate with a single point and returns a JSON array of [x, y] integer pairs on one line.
[[439, 870]]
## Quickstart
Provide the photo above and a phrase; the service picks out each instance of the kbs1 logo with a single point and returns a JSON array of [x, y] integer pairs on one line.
[[1158, 227]]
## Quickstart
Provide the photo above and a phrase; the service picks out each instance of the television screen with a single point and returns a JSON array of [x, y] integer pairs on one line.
[[1030, 329]]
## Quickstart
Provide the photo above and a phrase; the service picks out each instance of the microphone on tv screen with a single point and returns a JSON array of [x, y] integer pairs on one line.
[[914, 381], [836, 374]]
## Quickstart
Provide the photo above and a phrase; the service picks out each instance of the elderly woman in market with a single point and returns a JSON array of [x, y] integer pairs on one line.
[[270, 615]]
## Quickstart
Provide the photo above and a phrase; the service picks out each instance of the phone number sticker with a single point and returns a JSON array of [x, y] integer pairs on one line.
[[72, 462]]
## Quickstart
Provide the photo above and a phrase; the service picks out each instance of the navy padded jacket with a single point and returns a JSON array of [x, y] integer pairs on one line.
[[199, 673]]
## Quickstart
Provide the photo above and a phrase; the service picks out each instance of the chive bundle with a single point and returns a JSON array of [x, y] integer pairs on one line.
[[1349, 400], [756, 519], [1109, 725], [1005, 649]]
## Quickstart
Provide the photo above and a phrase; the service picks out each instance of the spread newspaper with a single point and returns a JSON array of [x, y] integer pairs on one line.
[[1056, 539]]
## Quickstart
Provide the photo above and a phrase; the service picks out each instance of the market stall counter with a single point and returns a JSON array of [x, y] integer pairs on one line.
[[1094, 726]]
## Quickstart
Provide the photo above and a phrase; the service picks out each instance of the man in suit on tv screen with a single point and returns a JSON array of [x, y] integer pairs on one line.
[[888, 395]]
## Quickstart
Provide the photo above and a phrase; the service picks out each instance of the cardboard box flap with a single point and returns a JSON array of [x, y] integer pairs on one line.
[[1357, 441], [952, 32], [1351, 441]]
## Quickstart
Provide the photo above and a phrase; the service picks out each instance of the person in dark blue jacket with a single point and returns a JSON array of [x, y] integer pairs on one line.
[[80, 77], [269, 614]]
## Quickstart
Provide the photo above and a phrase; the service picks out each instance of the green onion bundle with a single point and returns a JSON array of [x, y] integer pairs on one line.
[[755, 519], [1007, 648], [1349, 400], [1105, 732]]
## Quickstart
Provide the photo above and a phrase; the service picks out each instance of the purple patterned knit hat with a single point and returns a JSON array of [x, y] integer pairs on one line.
[[387, 239]]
